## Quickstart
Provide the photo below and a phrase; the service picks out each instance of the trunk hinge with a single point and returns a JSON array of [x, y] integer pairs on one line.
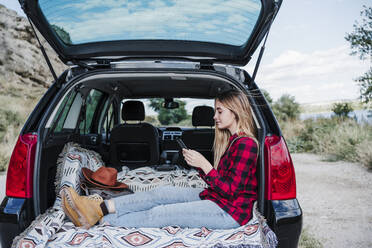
[[206, 65], [82, 64], [43, 51], [263, 45]]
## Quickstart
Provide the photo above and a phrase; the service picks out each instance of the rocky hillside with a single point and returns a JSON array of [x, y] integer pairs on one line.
[[21, 61], [24, 77]]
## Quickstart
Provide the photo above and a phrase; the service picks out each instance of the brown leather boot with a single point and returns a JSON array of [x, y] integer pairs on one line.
[[83, 211]]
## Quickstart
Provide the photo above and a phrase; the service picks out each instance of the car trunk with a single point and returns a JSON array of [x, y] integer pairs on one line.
[[131, 84]]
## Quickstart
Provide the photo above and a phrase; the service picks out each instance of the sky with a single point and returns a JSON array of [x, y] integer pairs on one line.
[[306, 54]]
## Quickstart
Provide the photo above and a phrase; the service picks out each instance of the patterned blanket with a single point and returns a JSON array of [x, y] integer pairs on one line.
[[53, 229]]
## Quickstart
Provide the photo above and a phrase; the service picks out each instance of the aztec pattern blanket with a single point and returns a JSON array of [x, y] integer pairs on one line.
[[53, 229]]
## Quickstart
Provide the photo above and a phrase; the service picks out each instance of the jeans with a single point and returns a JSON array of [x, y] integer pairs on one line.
[[169, 206]]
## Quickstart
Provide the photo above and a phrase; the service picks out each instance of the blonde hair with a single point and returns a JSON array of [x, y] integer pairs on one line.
[[237, 102]]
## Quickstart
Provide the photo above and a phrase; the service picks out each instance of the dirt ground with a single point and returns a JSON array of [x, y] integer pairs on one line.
[[336, 199]]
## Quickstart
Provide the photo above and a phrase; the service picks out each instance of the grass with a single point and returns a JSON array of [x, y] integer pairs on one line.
[[308, 241]]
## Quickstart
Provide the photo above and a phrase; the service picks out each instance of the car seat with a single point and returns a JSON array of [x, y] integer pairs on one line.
[[134, 144], [201, 139]]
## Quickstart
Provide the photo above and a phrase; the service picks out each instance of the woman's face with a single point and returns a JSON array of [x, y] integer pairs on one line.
[[224, 118]]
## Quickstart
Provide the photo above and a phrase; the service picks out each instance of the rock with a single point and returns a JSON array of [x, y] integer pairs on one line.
[[21, 60]]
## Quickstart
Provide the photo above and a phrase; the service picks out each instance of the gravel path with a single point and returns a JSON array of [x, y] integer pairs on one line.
[[336, 199]]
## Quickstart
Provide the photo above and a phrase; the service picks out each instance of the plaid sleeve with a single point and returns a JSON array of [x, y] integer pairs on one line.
[[242, 157], [201, 173]]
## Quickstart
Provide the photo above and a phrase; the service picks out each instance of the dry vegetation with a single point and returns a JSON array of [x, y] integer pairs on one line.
[[334, 138], [24, 77], [17, 102], [308, 241]]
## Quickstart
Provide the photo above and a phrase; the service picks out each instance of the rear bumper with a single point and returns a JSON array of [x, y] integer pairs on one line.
[[11, 209], [7, 233], [15, 216], [286, 222]]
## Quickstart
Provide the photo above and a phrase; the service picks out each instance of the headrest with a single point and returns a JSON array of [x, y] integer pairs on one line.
[[133, 111], [203, 116]]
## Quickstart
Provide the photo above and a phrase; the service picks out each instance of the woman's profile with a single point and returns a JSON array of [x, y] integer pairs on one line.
[[226, 203]]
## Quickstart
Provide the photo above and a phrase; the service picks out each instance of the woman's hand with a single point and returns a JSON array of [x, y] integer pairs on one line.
[[195, 159]]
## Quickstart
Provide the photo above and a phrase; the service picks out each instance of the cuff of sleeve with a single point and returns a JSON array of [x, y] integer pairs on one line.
[[200, 171], [211, 174]]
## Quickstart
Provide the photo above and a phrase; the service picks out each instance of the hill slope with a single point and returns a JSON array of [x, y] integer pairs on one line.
[[24, 76]]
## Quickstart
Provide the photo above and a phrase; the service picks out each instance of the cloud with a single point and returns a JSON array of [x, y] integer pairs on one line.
[[317, 76], [159, 19]]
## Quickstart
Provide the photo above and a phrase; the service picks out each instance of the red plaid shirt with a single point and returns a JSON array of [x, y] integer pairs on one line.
[[233, 186]]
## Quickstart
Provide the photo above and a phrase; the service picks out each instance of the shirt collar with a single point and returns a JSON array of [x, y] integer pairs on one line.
[[236, 135], [233, 137]]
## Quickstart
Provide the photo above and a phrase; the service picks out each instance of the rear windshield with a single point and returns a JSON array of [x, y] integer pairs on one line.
[[227, 22], [181, 116]]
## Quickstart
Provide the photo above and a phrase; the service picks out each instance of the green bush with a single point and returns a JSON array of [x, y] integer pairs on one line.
[[341, 142], [267, 96], [286, 108], [63, 34], [169, 116], [342, 109]]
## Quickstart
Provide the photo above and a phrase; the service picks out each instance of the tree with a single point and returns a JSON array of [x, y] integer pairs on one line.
[[168, 116], [342, 109], [286, 108], [63, 34], [361, 44], [267, 96]]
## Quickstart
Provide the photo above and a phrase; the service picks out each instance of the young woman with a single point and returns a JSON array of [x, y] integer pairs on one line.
[[226, 203]]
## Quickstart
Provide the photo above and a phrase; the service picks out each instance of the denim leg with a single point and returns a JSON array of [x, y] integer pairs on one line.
[[159, 196], [194, 214]]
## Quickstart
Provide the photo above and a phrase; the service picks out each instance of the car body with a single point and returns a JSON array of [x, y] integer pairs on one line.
[[106, 69]]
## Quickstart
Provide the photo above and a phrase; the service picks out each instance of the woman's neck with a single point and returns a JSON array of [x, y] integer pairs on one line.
[[233, 130]]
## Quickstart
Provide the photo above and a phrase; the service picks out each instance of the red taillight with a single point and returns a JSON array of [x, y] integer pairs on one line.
[[279, 170], [19, 179]]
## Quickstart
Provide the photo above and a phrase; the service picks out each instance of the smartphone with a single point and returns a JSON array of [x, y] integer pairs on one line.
[[181, 144]]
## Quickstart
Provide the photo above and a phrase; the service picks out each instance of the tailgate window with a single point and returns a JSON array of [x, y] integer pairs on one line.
[[219, 21]]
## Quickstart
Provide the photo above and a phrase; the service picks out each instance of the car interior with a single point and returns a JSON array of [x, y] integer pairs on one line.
[[106, 113]]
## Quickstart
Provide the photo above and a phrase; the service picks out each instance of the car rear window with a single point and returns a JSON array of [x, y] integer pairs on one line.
[[220, 21], [158, 116]]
